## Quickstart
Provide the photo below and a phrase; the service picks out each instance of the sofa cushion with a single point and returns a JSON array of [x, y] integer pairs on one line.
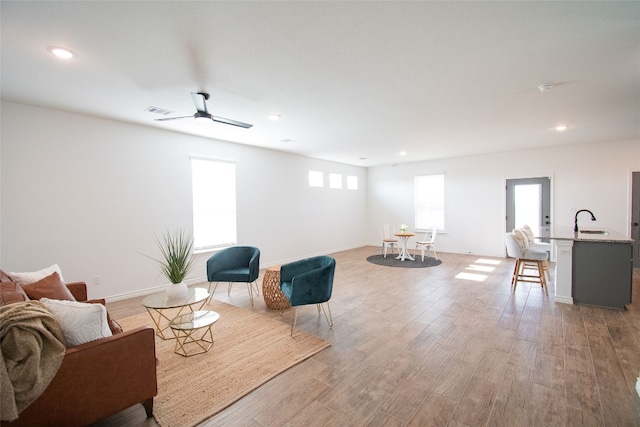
[[50, 287], [31, 277], [4, 277], [113, 325], [11, 292], [80, 322]]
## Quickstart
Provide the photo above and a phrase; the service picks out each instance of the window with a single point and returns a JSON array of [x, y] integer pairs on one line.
[[335, 181], [352, 182], [429, 202], [214, 203], [316, 179]]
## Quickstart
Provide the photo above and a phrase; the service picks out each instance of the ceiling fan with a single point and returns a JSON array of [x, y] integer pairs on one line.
[[200, 100]]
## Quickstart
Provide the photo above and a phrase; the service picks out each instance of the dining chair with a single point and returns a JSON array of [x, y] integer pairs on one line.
[[388, 238], [427, 243]]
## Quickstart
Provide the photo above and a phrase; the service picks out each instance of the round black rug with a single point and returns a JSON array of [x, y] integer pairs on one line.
[[391, 261]]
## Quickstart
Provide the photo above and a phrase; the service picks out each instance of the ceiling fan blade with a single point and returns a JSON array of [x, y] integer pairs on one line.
[[200, 100], [173, 118], [230, 122]]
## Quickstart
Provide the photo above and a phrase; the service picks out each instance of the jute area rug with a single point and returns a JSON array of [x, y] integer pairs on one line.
[[248, 350], [391, 261]]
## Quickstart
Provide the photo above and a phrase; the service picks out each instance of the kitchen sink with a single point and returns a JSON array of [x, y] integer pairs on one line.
[[594, 231]]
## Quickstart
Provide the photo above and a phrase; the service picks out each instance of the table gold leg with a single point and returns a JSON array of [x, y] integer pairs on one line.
[[184, 338], [158, 314]]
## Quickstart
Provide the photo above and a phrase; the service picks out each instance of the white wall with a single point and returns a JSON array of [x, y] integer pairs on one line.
[[89, 194], [593, 176]]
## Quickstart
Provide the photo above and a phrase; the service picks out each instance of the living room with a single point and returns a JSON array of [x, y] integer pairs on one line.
[[107, 196], [90, 193]]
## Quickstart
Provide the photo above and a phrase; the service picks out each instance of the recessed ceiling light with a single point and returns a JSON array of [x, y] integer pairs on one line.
[[274, 117], [62, 52], [403, 153], [562, 128]]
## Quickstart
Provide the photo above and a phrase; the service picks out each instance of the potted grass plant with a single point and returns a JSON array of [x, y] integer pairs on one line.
[[176, 260]]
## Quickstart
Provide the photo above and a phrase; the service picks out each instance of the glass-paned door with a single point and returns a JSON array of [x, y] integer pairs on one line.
[[529, 202]]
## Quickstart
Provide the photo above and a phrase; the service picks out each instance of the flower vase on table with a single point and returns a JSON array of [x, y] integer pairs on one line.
[[177, 290]]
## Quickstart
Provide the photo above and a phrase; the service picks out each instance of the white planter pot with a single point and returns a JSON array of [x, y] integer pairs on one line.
[[177, 290]]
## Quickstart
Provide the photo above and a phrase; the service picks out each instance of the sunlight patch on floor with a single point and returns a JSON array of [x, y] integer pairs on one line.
[[484, 268], [488, 261], [471, 276]]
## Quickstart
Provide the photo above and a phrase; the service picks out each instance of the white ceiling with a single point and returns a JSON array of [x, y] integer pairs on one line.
[[354, 82]]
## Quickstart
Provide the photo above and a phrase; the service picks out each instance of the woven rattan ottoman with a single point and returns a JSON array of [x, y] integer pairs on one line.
[[273, 296]]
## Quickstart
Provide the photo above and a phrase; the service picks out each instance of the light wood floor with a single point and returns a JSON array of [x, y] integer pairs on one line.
[[434, 347]]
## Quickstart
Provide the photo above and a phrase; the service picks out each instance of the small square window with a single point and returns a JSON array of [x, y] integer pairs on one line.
[[352, 182], [335, 180], [316, 179]]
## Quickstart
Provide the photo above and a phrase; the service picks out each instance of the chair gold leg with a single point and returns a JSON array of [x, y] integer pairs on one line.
[[250, 289], [330, 318], [211, 292], [295, 317], [214, 288]]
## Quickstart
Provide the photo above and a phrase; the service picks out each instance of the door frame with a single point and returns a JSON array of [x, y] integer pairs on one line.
[[634, 216], [552, 256]]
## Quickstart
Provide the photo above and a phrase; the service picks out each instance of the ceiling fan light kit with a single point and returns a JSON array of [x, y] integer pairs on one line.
[[200, 101]]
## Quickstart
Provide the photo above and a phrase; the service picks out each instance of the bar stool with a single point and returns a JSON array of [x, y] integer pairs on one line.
[[526, 259]]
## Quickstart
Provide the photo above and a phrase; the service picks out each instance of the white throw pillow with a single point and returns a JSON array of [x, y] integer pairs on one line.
[[529, 233], [521, 238], [32, 277], [80, 322]]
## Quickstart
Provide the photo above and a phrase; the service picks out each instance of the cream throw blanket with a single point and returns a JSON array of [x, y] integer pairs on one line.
[[31, 349]]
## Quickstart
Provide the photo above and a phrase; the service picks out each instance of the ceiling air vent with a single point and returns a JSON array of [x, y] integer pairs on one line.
[[157, 110]]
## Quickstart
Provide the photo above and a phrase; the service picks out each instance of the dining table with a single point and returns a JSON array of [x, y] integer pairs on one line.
[[404, 237]]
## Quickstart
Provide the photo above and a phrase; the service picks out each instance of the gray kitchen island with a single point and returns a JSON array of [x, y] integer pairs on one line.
[[593, 267]]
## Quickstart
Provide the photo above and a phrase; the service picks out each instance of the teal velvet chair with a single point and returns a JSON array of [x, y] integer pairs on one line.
[[308, 281], [237, 264]]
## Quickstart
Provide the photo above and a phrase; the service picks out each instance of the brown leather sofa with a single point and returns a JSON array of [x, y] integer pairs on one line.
[[96, 379]]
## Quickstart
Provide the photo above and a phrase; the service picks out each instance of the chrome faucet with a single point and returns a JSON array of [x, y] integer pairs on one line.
[[575, 220]]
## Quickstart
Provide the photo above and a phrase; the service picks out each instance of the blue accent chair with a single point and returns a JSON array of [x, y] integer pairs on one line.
[[308, 281], [233, 265]]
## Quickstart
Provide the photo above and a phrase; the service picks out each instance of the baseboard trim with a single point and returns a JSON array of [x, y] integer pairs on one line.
[[563, 300]]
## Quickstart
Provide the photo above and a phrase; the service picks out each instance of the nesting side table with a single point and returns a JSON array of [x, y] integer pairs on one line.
[[193, 332], [159, 307]]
